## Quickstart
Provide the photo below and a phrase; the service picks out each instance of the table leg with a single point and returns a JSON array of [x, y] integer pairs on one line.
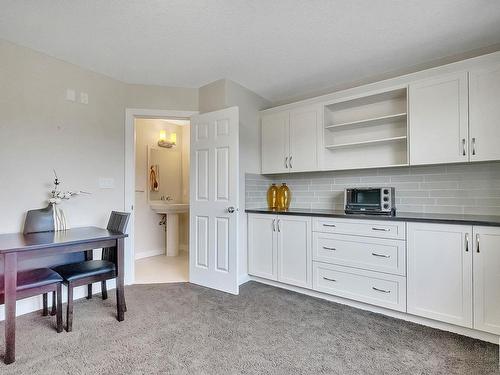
[[10, 286], [120, 295]]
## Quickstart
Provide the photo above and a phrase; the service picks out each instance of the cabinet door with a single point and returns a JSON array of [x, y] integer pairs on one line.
[[438, 124], [485, 114], [440, 272], [275, 142], [304, 124], [294, 250], [262, 256], [487, 279]]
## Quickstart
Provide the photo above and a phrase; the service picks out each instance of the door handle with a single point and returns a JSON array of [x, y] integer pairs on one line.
[[381, 229], [278, 222], [328, 279], [473, 146], [466, 242], [381, 290], [381, 255], [274, 225], [477, 243], [231, 209], [463, 146], [329, 248], [290, 162], [286, 162], [329, 225]]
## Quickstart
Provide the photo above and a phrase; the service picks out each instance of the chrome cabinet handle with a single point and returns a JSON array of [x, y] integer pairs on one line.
[[286, 162], [381, 255], [290, 162], [477, 243], [274, 225], [329, 248], [381, 290], [463, 147], [329, 225], [327, 279], [473, 146], [278, 222], [381, 229], [466, 242]]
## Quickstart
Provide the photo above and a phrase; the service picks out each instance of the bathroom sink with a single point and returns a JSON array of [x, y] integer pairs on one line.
[[169, 208]]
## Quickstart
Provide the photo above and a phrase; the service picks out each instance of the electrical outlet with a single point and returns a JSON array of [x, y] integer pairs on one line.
[[70, 95], [84, 98]]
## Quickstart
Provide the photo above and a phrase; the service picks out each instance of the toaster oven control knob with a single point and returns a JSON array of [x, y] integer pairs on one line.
[[386, 199], [386, 206], [386, 191]]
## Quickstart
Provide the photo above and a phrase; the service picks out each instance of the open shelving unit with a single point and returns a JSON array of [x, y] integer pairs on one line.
[[369, 131]]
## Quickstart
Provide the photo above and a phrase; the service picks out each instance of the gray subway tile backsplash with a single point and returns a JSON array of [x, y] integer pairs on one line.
[[459, 188]]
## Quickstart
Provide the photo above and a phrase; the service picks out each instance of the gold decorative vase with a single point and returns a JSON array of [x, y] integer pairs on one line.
[[284, 197], [272, 197]]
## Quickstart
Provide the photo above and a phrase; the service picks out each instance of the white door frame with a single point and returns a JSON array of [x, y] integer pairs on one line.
[[129, 201]]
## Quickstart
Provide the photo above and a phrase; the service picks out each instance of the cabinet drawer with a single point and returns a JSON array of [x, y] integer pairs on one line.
[[375, 254], [370, 228], [365, 286]]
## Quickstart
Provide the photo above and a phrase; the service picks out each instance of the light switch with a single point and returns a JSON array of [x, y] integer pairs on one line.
[[70, 95], [106, 183], [84, 98]]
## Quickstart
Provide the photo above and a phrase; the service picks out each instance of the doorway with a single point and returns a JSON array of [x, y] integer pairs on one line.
[[157, 194]]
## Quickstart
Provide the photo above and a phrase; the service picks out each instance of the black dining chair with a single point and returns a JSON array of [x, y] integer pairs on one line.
[[38, 281], [92, 271]]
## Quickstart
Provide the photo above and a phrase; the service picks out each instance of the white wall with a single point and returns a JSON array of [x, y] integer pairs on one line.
[[41, 130], [222, 94], [149, 236]]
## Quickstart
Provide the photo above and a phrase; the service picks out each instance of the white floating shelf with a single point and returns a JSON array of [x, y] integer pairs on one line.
[[369, 121], [365, 143]]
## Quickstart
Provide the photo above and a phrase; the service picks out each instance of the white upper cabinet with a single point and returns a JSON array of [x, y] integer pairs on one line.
[[440, 272], [303, 139], [438, 120], [290, 140], [275, 143], [487, 279], [485, 114]]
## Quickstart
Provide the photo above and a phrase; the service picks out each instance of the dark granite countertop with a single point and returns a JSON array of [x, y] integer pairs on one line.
[[484, 220]]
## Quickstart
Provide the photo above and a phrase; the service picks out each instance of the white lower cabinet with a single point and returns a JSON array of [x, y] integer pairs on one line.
[[486, 274], [279, 248], [440, 272], [262, 254], [294, 250], [366, 286]]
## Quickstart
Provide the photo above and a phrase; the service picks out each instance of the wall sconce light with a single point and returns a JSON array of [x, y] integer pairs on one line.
[[163, 142]]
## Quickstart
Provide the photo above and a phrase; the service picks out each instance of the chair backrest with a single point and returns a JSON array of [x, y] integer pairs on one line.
[[117, 223]]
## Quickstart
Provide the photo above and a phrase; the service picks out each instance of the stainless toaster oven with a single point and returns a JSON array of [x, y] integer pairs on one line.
[[370, 200]]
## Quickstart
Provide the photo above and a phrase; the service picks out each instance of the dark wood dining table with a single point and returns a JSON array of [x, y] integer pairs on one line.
[[16, 248]]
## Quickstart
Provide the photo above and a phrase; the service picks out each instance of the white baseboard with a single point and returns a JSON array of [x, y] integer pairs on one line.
[[150, 253], [243, 279], [480, 335]]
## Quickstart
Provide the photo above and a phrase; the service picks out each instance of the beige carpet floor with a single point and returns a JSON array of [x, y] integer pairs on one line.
[[186, 329]]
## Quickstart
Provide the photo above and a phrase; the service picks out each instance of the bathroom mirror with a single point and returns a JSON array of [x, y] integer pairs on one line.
[[165, 174]]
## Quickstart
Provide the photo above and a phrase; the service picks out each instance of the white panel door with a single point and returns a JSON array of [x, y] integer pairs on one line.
[[440, 272], [438, 126], [485, 114], [213, 238], [487, 279], [294, 250], [262, 255], [275, 142], [304, 124]]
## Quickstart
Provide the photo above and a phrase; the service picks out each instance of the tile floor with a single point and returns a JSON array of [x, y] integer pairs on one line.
[[162, 269]]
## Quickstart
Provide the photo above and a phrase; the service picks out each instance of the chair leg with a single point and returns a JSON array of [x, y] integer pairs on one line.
[[89, 291], [69, 313], [59, 317], [54, 308], [45, 310], [124, 305], [104, 290]]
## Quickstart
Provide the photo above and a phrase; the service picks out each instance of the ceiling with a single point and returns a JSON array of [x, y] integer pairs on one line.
[[279, 49]]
